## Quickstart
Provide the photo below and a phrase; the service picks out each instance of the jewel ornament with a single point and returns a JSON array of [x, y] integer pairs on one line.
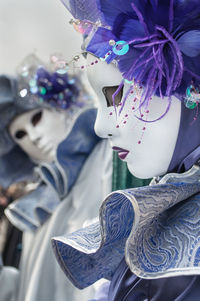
[[192, 98], [83, 27], [120, 48]]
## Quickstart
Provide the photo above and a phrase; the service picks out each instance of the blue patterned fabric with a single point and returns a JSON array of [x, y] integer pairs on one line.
[[156, 227], [33, 210]]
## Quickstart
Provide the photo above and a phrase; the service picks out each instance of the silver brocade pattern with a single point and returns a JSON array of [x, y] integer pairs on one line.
[[156, 227]]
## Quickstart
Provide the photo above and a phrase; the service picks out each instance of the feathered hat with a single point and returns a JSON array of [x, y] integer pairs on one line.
[[156, 43], [14, 162]]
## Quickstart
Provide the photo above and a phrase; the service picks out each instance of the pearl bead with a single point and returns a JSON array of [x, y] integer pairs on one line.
[[76, 58], [112, 42]]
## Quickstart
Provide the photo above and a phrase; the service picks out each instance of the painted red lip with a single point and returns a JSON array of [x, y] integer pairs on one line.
[[122, 153]]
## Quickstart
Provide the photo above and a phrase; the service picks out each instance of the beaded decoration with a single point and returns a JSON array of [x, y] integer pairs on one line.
[[134, 91]]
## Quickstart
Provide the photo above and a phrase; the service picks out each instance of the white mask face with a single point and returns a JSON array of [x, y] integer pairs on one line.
[[38, 132], [146, 147]]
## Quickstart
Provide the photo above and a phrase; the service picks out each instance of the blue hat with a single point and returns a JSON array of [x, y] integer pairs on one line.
[[7, 111], [14, 162]]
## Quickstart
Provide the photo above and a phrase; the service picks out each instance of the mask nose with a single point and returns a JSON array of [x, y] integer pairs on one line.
[[33, 135], [32, 128], [105, 125]]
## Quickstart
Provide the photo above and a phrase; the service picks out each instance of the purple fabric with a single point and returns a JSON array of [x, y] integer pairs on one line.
[[187, 149], [101, 38], [127, 287]]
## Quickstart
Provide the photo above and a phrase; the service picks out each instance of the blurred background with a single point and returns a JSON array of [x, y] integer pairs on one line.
[[34, 26]]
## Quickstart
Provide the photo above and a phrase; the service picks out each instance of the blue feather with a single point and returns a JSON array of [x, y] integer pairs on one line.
[[189, 43]]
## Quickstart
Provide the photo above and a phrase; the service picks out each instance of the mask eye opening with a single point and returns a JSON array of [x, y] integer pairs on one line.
[[108, 93], [36, 118], [20, 134]]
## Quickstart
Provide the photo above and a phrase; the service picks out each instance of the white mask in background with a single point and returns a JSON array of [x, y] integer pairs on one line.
[[38, 132], [152, 156]]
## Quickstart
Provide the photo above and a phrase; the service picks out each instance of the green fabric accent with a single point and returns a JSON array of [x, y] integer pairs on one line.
[[122, 178]]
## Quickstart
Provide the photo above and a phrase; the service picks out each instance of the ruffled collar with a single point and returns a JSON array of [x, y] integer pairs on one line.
[[156, 227]]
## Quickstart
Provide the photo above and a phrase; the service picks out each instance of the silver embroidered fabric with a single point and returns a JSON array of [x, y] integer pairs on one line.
[[156, 227]]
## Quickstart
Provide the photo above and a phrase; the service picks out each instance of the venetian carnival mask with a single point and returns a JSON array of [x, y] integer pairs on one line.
[[38, 132], [152, 126], [146, 147]]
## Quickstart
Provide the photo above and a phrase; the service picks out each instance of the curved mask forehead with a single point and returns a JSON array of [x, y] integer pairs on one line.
[[38, 132], [102, 74], [146, 147]]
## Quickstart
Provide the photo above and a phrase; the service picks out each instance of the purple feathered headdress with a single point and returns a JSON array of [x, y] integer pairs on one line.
[[155, 42]]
